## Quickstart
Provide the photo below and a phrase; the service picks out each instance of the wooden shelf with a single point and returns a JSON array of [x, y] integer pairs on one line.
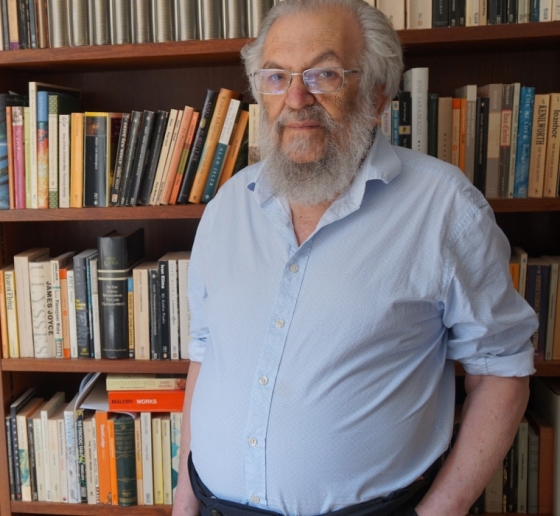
[[83, 509], [525, 205], [74, 365], [180, 211]]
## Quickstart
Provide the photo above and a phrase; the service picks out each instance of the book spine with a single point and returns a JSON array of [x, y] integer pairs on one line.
[[551, 312], [39, 309], [166, 459], [164, 307], [77, 160], [64, 161], [522, 453], [81, 455], [440, 13], [184, 310], [147, 472], [173, 302], [4, 319], [63, 461], [538, 146], [524, 138], [141, 314], [140, 160], [553, 148], [130, 297], [126, 461], [81, 307], [121, 148], [176, 418], [8, 128], [42, 149], [72, 321], [10, 454], [96, 325], [505, 141], [23, 24], [142, 401], [54, 463], [157, 459], [53, 151], [19, 156], [155, 315], [138, 457], [132, 143], [514, 135], [234, 149], [538, 279], [32, 461], [112, 461], [71, 456], [95, 159], [39, 459], [89, 460], [196, 151], [103, 460], [433, 103], [11, 314], [405, 114], [13, 28]]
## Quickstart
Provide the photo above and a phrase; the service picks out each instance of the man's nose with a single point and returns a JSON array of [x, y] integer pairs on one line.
[[297, 95]]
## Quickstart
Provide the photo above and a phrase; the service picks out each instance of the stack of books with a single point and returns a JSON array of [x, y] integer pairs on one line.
[[91, 450], [59, 157], [98, 303], [504, 137]]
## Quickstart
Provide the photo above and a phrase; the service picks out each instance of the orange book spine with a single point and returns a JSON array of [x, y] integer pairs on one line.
[[214, 130], [112, 461], [184, 157], [10, 144], [146, 401], [3, 318], [514, 271], [77, 160], [176, 157], [103, 458], [236, 141]]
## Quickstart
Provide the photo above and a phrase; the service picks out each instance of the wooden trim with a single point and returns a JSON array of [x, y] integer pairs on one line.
[[83, 509], [525, 205]]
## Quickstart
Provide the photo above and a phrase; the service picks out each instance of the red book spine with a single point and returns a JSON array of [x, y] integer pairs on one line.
[[146, 401]]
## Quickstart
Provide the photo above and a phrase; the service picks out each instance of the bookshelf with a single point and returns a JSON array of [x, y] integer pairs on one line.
[[165, 75]]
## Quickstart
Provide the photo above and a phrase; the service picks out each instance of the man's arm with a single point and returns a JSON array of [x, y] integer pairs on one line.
[[492, 412], [185, 503]]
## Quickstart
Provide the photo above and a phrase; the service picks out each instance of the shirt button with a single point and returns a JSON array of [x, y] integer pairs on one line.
[[263, 380], [279, 323], [253, 442], [294, 268], [255, 499]]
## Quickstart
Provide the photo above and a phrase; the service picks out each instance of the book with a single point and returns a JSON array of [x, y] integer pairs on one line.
[[76, 160], [405, 114], [125, 449], [505, 140], [254, 117], [234, 150], [84, 330], [554, 262], [18, 141], [46, 411], [176, 419], [552, 161], [524, 137], [65, 312], [519, 256], [181, 131], [537, 163], [538, 280], [25, 324], [522, 464], [395, 11], [533, 472], [162, 161], [4, 315], [514, 134], [71, 451], [166, 459], [139, 382], [493, 493], [103, 458], [445, 127], [221, 150], [418, 14], [119, 161], [89, 457], [64, 137], [494, 93], [153, 158], [72, 321], [146, 400], [433, 104], [147, 462], [184, 310], [58, 263], [130, 296], [157, 458], [155, 315], [481, 143], [40, 289], [11, 311], [132, 187], [416, 80], [469, 92], [211, 143], [140, 275], [546, 399], [118, 254], [129, 155], [32, 458], [440, 13], [96, 180], [10, 143], [456, 132], [55, 449], [93, 297], [138, 456]]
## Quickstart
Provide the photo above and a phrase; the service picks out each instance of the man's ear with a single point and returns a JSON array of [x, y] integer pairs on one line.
[[381, 99]]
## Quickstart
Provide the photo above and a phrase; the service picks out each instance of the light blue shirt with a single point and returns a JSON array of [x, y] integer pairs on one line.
[[327, 373]]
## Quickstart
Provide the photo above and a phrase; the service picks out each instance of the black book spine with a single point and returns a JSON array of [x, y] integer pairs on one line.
[[81, 454], [483, 106], [121, 148], [6, 41], [95, 161], [131, 144], [32, 460], [512, 11], [164, 307], [535, 10], [153, 158], [155, 315], [82, 318], [10, 453], [117, 255], [405, 116], [440, 13], [141, 158], [32, 24], [503, 11], [460, 13], [433, 105], [511, 476], [125, 454], [23, 23], [198, 144], [538, 281]]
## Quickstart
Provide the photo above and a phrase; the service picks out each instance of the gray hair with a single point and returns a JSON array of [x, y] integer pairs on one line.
[[382, 60]]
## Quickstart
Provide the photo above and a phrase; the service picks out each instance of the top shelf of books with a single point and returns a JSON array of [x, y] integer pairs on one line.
[[489, 38]]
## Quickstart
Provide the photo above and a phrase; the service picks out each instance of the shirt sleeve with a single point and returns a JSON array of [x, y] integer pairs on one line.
[[489, 323]]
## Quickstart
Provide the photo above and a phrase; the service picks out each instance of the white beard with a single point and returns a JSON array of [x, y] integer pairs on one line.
[[311, 183]]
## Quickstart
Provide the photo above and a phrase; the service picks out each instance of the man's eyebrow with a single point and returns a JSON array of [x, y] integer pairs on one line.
[[329, 55]]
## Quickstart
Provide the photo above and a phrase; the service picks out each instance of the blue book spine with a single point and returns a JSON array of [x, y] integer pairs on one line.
[[535, 10], [42, 106], [395, 122], [130, 290], [215, 172], [523, 156]]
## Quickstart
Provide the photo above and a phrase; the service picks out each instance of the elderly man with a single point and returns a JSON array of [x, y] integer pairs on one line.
[[332, 286]]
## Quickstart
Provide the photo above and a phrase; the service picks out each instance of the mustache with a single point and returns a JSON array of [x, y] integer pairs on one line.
[[313, 114]]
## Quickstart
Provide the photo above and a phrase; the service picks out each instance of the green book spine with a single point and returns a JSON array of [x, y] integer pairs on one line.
[[126, 460]]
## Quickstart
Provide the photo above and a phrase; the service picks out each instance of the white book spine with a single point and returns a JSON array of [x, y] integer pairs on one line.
[[53, 155], [39, 276], [173, 113], [472, 13], [173, 310], [418, 14], [169, 158], [54, 462], [95, 465], [63, 461], [57, 309], [11, 313], [141, 314], [157, 462], [416, 81], [71, 457], [64, 161], [395, 11], [88, 446], [184, 311], [23, 451], [545, 10], [146, 425], [386, 121], [39, 459], [139, 468], [72, 314], [166, 459], [95, 309], [556, 10], [176, 418]]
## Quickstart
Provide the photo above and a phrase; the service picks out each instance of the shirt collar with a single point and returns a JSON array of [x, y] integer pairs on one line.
[[381, 163]]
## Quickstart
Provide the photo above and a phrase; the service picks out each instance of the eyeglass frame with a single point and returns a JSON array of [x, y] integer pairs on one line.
[[344, 72]]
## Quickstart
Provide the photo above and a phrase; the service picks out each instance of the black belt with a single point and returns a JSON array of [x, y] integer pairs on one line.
[[399, 503]]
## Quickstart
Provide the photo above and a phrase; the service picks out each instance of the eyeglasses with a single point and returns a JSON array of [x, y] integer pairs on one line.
[[272, 81]]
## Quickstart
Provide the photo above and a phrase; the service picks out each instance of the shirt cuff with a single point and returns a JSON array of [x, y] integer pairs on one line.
[[520, 364], [196, 350]]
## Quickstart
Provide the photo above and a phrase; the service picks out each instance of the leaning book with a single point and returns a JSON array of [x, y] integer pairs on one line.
[[118, 254]]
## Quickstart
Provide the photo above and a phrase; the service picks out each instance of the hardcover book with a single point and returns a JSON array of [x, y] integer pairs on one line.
[[538, 280], [141, 279], [140, 159], [96, 174], [118, 254], [141, 382], [146, 401], [524, 134], [84, 329], [125, 454], [537, 163], [120, 154]]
